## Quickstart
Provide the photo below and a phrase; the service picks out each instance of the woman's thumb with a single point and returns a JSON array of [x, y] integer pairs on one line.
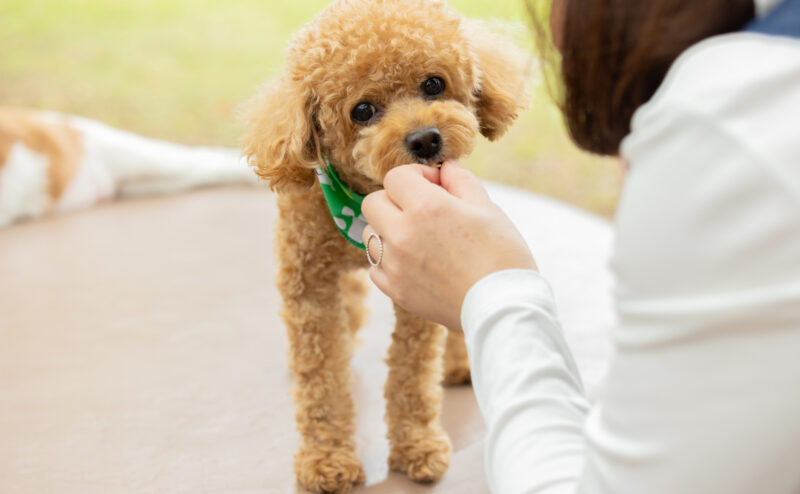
[[462, 183]]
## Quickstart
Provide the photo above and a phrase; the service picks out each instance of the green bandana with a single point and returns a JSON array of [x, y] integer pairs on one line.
[[344, 204]]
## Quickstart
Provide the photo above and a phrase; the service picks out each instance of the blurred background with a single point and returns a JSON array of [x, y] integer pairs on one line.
[[141, 348], [178, 70]]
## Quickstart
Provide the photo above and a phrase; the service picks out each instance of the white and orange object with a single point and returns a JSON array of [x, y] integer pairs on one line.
[[54, 163]]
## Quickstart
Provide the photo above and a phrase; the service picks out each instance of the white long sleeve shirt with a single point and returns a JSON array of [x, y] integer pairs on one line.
[[703, 395]]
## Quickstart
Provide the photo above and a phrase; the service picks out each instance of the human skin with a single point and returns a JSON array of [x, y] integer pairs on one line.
[[441, 233]]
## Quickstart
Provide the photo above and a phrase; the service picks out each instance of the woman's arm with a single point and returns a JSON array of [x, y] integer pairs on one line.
[[527, 384]]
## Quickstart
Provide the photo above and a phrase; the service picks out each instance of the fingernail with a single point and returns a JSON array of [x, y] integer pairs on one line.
[[452, 163]]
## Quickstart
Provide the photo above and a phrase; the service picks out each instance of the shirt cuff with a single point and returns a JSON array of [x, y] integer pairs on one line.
[[502, 289]]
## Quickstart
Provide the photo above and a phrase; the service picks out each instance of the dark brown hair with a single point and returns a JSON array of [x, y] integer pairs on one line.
[[616, 53]]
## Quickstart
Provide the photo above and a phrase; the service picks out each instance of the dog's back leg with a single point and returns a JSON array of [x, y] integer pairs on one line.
[[419, 446], [456, 361]]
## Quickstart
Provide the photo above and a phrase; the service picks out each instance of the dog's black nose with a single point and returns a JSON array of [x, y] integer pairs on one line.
[[425, 143]]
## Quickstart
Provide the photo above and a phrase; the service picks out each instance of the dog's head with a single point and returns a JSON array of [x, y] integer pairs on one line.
[[373, 84]]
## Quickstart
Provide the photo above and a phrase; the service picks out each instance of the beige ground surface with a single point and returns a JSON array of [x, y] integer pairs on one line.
[[141, 350]]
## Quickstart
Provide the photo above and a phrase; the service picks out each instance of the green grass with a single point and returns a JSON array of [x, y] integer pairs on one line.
[[178, 69]]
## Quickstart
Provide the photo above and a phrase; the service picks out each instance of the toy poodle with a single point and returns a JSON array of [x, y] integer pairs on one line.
[[369, 85]]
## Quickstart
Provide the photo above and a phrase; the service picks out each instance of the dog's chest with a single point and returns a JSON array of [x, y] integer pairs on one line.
[[306, 222]]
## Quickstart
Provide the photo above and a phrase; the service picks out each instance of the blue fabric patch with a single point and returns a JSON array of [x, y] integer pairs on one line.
[[783, 20]]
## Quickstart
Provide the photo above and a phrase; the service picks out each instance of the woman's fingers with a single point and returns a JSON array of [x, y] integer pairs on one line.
[[431, 174], [407, 183], [381, 280], [379, 210]]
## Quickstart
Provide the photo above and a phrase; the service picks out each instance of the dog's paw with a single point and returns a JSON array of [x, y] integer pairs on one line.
[[456, 373], [325, 469], [425, 459], [456, 361]]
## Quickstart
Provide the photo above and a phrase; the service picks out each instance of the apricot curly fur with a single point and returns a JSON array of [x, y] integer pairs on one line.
[[456, 360], [379, 51]]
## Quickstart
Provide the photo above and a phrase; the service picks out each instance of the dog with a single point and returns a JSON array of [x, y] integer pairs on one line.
[[369, 85], [54, 163]]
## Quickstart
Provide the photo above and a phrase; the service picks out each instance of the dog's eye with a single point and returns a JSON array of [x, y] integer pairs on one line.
[[363, 112], [433, 86]]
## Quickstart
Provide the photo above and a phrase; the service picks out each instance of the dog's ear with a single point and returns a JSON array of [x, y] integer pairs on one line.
[[504, 74], [280, 137]]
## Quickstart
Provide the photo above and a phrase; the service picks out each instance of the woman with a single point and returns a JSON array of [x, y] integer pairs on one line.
[[704, 393]]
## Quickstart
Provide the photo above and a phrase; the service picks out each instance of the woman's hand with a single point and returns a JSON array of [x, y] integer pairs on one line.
[[441, 233]]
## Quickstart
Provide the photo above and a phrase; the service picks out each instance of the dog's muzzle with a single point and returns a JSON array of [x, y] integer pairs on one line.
[[424, 144]]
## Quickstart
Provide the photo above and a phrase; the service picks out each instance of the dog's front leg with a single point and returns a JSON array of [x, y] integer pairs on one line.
[[419, 445], [321, 344]]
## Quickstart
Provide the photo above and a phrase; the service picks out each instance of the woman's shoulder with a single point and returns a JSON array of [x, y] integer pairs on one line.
[[717, 74], [711, 197], [743, 85]]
